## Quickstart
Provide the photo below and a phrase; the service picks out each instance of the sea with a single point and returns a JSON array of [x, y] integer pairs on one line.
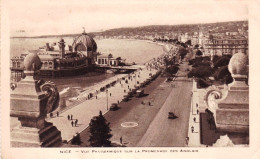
[[138, 51]]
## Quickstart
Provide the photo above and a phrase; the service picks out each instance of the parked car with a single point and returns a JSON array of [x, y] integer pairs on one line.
[[126, 98], [113, 107], [171, 115], [139, 93]]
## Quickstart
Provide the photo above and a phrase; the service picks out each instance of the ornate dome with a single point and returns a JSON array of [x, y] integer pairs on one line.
[[84, 42]]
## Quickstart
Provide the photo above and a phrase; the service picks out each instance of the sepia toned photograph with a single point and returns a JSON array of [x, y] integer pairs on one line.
[[140, 74]]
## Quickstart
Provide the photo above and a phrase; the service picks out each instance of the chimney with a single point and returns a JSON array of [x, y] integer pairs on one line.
[[47, 47], [62, 48]]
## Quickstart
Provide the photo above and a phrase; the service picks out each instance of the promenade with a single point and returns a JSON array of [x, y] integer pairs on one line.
[[85, 111], [197, 106]]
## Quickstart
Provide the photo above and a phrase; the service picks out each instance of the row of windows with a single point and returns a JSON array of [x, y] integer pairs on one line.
[[226, 50], [16, 64], [102, 61], [228, 42], [105, 61], [47, 65]]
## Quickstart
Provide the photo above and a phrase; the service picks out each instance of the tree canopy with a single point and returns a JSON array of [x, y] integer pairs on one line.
[[222, 61], [171, 70], [196, 46], [100, 132], [199, 53], [183, 52], [201, 72], [188, 42], [223, 74]]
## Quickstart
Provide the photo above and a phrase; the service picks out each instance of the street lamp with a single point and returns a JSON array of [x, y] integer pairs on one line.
[[107, 98]]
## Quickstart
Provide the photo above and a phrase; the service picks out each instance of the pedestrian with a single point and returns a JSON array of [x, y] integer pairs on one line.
[[197, 111], [194, 119], [68, 117], [76, 122], [121, 140], [58, 113], [128, 86], [72, 123], [187, 140], [197, 105], [110, 94], [124, 90], [192, 129], [96, 97], [71, 117], [149, 103]]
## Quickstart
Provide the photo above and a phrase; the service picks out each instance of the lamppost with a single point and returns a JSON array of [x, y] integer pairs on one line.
[[107, 98], [135, 79]]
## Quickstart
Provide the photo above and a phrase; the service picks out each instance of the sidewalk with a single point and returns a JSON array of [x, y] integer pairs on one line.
[[89, 108], [194, 137]]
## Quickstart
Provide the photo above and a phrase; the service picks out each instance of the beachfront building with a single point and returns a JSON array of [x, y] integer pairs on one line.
[[225, 46], [85, 44], [61, 59], [109, 60]]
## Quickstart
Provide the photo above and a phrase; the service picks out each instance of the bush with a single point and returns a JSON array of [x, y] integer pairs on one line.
[[201, 72], [202, 83], [201, 64], [196, 46]]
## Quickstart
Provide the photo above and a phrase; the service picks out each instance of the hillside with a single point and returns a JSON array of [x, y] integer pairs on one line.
[[161, 30]]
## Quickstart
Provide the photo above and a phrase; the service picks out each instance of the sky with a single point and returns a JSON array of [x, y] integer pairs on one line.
[[54, 17]]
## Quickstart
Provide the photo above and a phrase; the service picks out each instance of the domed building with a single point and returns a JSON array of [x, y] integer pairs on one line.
[[85, 44], [63, 60]]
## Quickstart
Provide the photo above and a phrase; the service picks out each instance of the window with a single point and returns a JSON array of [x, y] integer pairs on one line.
[[45, 65], [14, 64], [18, 64], [50, 65]]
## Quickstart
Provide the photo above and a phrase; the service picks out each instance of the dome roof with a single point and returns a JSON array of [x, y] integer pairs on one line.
[[84, 42]]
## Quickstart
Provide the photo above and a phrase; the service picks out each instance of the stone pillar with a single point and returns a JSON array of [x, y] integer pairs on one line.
[[31, 100], [230, 107]]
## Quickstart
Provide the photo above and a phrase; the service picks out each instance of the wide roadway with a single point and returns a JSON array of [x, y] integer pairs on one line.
[[154, 128], [166, 132]]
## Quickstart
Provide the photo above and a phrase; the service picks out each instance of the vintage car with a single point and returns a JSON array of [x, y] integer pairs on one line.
[[139, 93], [171, 115], [113, 107], [126, 98]]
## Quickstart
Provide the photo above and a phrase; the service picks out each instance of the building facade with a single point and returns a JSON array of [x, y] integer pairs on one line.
[[61, 60], [109, 60], [225, 46]]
